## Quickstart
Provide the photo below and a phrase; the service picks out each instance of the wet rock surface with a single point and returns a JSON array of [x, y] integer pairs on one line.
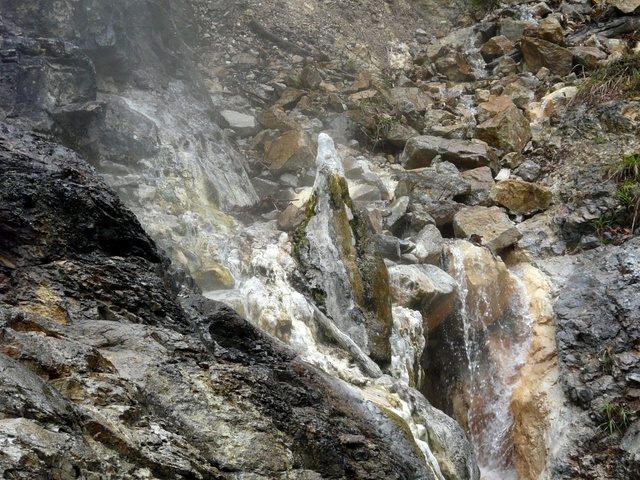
[[105, 371], [138, 88]]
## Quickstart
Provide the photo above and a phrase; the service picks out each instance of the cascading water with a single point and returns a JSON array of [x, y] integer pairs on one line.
[[264, 269], [496, 327]]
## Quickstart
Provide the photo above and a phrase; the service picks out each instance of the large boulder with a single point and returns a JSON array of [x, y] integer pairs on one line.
[[421, 150], [490, 227], [540, 53], [522, 198], [424, 288], [509, 130], [292, 151], [489, 287], [429, 245]]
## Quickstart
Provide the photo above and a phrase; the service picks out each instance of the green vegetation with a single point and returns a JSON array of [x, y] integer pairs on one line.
[[616, 416], [619, 79], [600, 225], [607, 359], [626, 173]]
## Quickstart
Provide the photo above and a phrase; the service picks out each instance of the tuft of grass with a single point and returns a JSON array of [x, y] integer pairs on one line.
[[600, 225], [616, 417], [607, 358], [626, 173], [619, 79]]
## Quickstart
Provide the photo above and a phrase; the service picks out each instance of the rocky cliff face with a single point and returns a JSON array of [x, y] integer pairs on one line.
[[500, 125], [110, 370]]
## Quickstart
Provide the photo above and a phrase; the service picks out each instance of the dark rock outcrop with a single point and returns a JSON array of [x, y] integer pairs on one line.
[[598, 334]]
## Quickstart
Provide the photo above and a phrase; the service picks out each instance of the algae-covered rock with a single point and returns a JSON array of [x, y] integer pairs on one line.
[[339, 262]]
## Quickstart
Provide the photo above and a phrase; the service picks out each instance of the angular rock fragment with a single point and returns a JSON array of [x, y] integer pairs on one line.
[[586, 56], [291, 151], [509, 130], [522, 198], [496, 47], [540, 53], [550, 30], [481, 182], [425, 288], [429, 245], [244, 125], [486, 226], [421, 150]]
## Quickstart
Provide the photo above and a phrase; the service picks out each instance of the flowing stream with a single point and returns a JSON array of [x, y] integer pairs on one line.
[[496, 326], [492, 310]]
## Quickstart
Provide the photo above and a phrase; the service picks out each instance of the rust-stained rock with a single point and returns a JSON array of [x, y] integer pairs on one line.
[[488, 281], [496, 47], [495, 105], [310, 77], [291, 151], [290, 97], [540, 53], [549, 30], [275, 118], [509, 130]]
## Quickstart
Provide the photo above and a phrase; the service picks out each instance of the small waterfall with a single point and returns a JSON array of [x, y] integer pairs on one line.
[[496, 328]]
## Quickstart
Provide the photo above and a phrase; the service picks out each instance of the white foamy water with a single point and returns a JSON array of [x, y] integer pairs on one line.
[[497, 335]]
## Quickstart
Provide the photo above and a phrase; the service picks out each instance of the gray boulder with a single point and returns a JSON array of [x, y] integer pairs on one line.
[[421, 150], [241, 123], [424, 288], [429, 245], [490, 227], [597, 328]]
